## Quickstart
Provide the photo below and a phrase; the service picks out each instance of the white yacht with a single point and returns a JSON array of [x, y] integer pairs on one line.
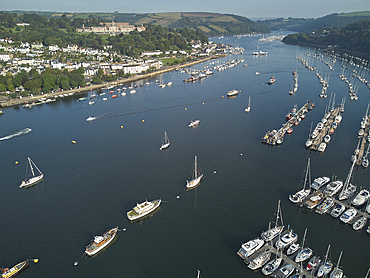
[[260, 260], [272, 233], [293, 248], [287, 240], [250, 247], [196, 177], [303, 193], [322, 147], [337, 210], [143, 209], [319, 182], [360, 223], [232, 93], [348, 215], [361, 198], [333, 188], [271, 266], [194, 123], [89, 119]]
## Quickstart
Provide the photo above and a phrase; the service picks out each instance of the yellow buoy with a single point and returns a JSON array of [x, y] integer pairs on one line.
[[222, 96], [203, 103], [73, 141], [16, 162], [186, 108], [142, 120], [121, 126], [36, 261]]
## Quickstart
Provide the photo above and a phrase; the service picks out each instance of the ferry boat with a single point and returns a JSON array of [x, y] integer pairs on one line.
[[100, 242], [7, 273], [232, 93], [250, 247], [143, 209]]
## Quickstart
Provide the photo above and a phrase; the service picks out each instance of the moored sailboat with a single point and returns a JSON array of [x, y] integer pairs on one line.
[[348, 189], [31, 177], [249, 105], [196, 177], [303, 193], [166, 142], [271, 233]]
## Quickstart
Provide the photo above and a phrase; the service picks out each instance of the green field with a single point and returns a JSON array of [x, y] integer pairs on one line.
[[365, 13]]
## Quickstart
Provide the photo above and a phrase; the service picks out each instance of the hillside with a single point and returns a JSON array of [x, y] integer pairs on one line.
[[309, 24], [353, 37], [212, 24]]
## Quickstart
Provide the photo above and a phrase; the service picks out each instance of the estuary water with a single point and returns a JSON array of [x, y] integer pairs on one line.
[[89, 186]]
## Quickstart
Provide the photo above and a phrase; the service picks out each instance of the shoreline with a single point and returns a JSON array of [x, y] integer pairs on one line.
[[15, 102]]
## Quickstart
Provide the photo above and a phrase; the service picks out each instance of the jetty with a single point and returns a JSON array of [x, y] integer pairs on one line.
[[365, 124], [293, 119]]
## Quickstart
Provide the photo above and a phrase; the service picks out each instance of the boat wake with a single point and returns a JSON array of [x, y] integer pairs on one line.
[[17, 133]]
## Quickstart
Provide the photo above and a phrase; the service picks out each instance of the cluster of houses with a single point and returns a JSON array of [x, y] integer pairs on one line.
[[33, 56], [112, 28]]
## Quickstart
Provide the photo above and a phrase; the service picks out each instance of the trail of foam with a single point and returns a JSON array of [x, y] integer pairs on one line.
[[17, 133]]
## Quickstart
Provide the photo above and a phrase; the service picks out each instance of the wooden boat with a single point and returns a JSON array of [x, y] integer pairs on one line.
[[100, 242]]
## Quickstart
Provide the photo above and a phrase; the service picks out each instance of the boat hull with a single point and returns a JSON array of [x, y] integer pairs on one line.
[[133, 217], [31, 181], [193, 183]]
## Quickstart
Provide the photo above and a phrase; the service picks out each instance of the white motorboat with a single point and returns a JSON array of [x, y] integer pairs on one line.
[[260, 260], [143, 209], [348, 215], [232, 93], [312, 263], [132, 91], [338, 210], [338, 119], [368, 208], [272, 233], [327, 138], [303, 193], [272, 266], [361, 132], [166, 142], [194, 123], [250, 247], [360, 223], [308, 143], [319, 182], [315, 200], [196, 177], [293, 248], [361, 198], [333, 188], [32, 177], [287, 240], [322, 147], [286, 270], [89, 119], [100, 242]]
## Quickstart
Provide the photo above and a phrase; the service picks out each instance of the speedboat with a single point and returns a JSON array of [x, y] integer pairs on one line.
[[313, 262], [337, 210], [360, 223], [299, 196], [322, 147], [287, 240], [250, 247], [303, 255], [319, 182], [271, 266], [348, 215], [89, 119], [194, 123], [232, 93], [361, 198], [333, 188], [286, 270], [292, 249]]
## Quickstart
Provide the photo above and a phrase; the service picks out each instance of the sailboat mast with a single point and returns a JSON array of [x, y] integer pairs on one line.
[[30, 163], [195, 167], [307, 169], [348, 178]]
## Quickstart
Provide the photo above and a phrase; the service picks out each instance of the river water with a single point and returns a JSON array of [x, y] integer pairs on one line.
[[89, 186]]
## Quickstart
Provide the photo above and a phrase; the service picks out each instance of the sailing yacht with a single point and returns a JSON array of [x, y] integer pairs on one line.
[[303, 193], [271, 233], [337, 272], [166, 142], [249, 105], [31, 178], [326, 267], [304, 253], [348, 189], [196, 177]]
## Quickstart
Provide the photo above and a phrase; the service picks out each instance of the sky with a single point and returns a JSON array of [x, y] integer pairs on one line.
[[247, 8]]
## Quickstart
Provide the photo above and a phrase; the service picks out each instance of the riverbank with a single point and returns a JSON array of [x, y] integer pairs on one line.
[[15, 102]]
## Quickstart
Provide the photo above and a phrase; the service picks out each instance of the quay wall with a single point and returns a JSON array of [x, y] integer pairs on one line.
[[14, 102]]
